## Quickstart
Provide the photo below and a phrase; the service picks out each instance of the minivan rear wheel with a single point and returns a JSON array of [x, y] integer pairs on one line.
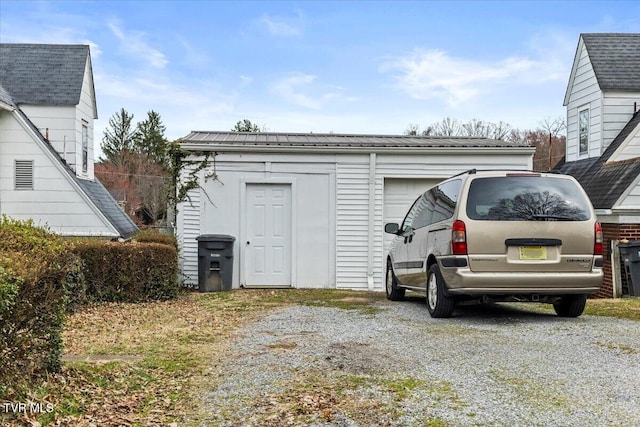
[[570, 305], [439, 304], [394, 293]]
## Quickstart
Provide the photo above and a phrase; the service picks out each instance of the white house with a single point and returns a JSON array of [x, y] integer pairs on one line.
[[603, 138], [308, 210], [47, 109]]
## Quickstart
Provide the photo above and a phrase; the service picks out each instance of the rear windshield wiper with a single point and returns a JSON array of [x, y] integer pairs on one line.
[[556, 217]]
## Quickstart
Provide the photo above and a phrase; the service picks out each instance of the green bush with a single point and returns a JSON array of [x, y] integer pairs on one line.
[[152, 236], [35, 266], [128, 272]]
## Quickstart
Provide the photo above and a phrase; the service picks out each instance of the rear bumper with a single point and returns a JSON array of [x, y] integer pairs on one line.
[[463, 281]]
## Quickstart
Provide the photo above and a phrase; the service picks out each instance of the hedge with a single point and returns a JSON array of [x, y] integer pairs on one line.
[[128, 272], [42, 276], [35, 269]]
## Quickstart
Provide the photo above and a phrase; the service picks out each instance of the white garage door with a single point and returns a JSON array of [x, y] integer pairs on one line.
[[399, 194]]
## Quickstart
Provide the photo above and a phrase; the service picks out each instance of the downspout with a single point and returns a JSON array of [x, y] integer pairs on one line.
[[372, 207]]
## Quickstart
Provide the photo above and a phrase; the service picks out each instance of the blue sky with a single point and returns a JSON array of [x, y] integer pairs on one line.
[[337, 66]]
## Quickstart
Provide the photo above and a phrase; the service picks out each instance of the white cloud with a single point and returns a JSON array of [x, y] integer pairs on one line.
[[281, 27], [292, 90], [245, 81], [134, 45], [429, 74], [303, 90]]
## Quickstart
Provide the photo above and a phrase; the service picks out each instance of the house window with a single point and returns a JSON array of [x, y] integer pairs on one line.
[[24, 174], [85, 148], [583, 131]]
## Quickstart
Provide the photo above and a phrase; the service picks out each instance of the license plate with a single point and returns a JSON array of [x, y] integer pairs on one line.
[[533, 252]]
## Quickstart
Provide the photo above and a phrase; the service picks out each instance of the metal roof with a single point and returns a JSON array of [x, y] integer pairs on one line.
[[615, 58], [318, 140], [43, 74]]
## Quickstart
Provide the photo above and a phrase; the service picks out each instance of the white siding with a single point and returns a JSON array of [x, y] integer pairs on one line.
[[630, 148], [585, 93], [618, 110], [330, 205], [54, 201], [313, 208], [85, 113], [352, 222], [59, 122], [188, 228], [631, 200]]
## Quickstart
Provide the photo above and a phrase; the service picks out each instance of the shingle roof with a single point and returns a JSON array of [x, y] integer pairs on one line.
[[43, 73], [5, 97], [615, 58], [606, 182], [272, 139], [108, 206]]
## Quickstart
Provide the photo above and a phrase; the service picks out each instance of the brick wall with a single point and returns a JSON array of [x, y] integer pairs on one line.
[[614, 232]]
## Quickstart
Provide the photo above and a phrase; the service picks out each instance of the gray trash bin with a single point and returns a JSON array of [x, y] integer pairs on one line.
[[215, 262], [630, 253]]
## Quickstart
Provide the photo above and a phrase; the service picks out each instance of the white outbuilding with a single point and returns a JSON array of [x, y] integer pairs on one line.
[[308, 210]]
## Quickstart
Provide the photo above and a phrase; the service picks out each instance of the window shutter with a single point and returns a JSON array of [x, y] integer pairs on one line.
[[24, 174]]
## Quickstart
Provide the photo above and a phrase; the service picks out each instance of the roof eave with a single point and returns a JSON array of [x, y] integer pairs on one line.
[[574, 68], [228, 148]]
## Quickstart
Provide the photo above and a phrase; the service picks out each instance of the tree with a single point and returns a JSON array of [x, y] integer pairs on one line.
[[119, 137], [150, 139], [246, 126]]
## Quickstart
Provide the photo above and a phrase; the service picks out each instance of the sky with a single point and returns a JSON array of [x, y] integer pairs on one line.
[[356, 67]]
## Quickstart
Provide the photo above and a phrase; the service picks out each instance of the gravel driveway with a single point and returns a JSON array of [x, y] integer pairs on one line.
[[392, 364]]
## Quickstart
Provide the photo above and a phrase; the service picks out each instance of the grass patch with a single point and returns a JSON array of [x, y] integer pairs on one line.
[[539, 394], [148, 363], [622, 308]]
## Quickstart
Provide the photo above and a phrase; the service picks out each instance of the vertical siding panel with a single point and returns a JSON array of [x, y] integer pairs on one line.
[[189, 228], [352, 218]]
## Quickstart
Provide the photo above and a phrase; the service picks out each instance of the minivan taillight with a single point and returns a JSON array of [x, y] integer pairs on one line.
[[597, 244], [458, 238]]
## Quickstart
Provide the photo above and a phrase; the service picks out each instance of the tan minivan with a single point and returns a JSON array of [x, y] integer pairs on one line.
[[498, 236]]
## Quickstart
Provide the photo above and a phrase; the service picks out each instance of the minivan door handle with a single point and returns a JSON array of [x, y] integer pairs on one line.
[[408, 238]]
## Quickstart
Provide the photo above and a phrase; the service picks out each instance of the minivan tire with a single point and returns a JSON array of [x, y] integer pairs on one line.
[[439, 304], [570, 305], [394, 293]]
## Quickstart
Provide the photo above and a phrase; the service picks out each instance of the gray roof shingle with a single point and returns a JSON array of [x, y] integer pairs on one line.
[[310, 140], [43, 74], [108, 206], [615, 58]]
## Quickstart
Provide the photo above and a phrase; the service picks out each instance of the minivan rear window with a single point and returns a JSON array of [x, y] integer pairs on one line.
[[526, 198]]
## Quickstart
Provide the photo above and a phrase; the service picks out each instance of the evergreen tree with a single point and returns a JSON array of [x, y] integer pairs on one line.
[[150, 139], [119, 138]]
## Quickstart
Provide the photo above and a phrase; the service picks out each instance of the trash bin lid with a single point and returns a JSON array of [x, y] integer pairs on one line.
[[215, 238]]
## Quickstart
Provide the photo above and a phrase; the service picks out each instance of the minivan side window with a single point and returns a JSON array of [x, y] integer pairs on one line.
[[445, 199], [526, 198], [436, 204], [423, 212], [409, 218]]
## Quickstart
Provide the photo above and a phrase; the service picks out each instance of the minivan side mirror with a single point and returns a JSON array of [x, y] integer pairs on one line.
[[391, 228]]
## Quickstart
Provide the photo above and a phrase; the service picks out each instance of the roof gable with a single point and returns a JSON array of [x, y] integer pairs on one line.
[[43, 74], [615, 58], [606, 181], [92, 190]]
